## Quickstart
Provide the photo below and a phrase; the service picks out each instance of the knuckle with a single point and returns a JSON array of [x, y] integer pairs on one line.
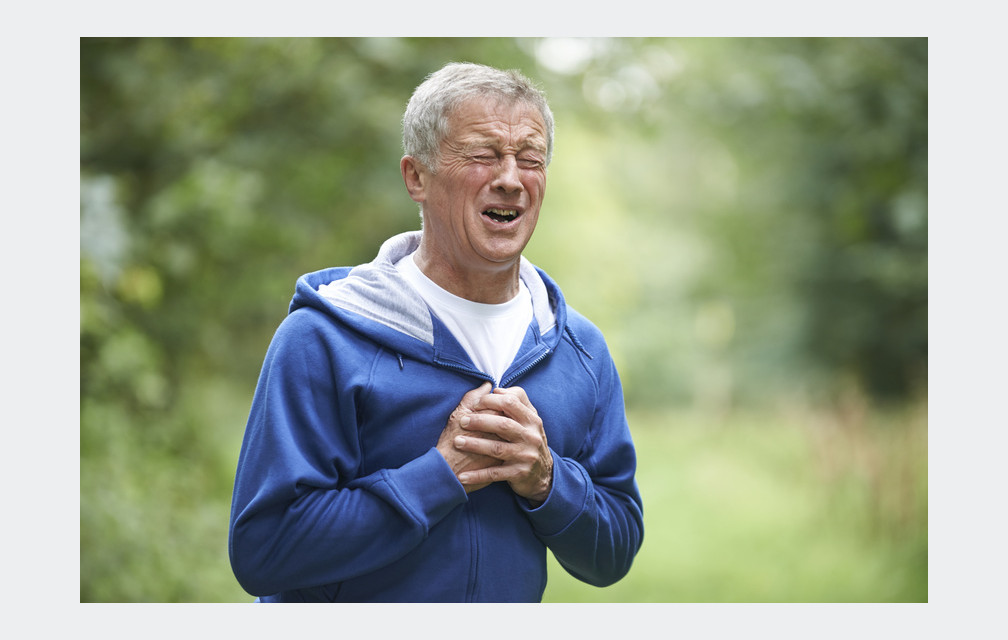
[[528, 457], [536, 442], [497, 448]]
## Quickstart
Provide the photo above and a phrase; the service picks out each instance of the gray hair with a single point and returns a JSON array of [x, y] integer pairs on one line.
[[425, 123]]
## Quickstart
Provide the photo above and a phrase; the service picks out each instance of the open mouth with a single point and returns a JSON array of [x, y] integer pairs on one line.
[[502, 215]]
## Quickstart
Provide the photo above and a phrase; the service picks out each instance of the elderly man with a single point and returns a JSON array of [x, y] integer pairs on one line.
[[426, 425]]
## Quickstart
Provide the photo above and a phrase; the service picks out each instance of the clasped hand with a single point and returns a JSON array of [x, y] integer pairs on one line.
[[496, 435]]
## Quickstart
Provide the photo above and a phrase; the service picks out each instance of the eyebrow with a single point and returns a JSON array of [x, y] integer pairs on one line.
[[532, 142]]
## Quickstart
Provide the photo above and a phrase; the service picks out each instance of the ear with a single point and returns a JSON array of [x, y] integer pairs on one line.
[[415, 176]]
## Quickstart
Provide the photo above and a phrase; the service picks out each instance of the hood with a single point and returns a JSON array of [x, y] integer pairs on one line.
[[375, 299]]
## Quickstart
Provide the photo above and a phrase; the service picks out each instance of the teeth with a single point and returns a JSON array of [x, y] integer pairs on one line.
[[505, 213]]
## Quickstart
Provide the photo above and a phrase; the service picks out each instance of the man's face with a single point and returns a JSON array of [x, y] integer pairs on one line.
[[482, 205]]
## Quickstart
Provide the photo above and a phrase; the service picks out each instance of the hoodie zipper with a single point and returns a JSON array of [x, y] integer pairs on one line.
[[473, 524], [517, 374], [464, 369], [483, 376]]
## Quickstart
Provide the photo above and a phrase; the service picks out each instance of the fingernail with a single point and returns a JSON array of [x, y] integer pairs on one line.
[[464, 477], [460, 441], [464, 421]]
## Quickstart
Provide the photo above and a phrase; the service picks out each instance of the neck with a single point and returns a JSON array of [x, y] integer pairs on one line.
[[486, 286]]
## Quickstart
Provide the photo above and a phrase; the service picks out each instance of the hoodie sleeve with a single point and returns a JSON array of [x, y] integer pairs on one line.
[[300, 516], [592, 520]]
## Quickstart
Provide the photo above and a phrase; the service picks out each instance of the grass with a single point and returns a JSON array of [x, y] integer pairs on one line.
[[775, 508]]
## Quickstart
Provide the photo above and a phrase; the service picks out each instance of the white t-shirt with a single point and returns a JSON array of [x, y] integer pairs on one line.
[[490, 333]]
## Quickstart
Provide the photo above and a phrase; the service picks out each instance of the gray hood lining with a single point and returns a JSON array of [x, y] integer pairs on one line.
[[377, 291]]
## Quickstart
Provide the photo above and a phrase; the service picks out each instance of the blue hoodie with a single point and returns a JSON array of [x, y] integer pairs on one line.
[[340, 494]]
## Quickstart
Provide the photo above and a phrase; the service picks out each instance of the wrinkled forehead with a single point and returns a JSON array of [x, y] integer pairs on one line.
[[477, 120]]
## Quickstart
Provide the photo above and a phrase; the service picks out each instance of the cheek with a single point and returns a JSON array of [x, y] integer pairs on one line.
[[536, 186], [471, 183]]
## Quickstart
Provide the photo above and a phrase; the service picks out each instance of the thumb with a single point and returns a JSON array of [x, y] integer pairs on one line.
[[470, 399]]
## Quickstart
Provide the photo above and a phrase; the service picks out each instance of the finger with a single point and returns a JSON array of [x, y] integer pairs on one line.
[[469, 402], [493, 424], [471, 399], [486, 475], [492, 448], [511, 405], [519, 393]]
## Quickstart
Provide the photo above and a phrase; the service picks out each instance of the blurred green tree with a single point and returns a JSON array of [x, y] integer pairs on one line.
[[790, 177], [831, 135]]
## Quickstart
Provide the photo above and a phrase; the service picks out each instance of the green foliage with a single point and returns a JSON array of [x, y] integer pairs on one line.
[[745, 219], [777, 188]]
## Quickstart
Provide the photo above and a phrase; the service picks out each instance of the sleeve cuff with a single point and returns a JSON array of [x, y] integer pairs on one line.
[[427, 487], [568, 496]]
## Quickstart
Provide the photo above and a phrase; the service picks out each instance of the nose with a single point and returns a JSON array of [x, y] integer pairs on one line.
[[507, 178]]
